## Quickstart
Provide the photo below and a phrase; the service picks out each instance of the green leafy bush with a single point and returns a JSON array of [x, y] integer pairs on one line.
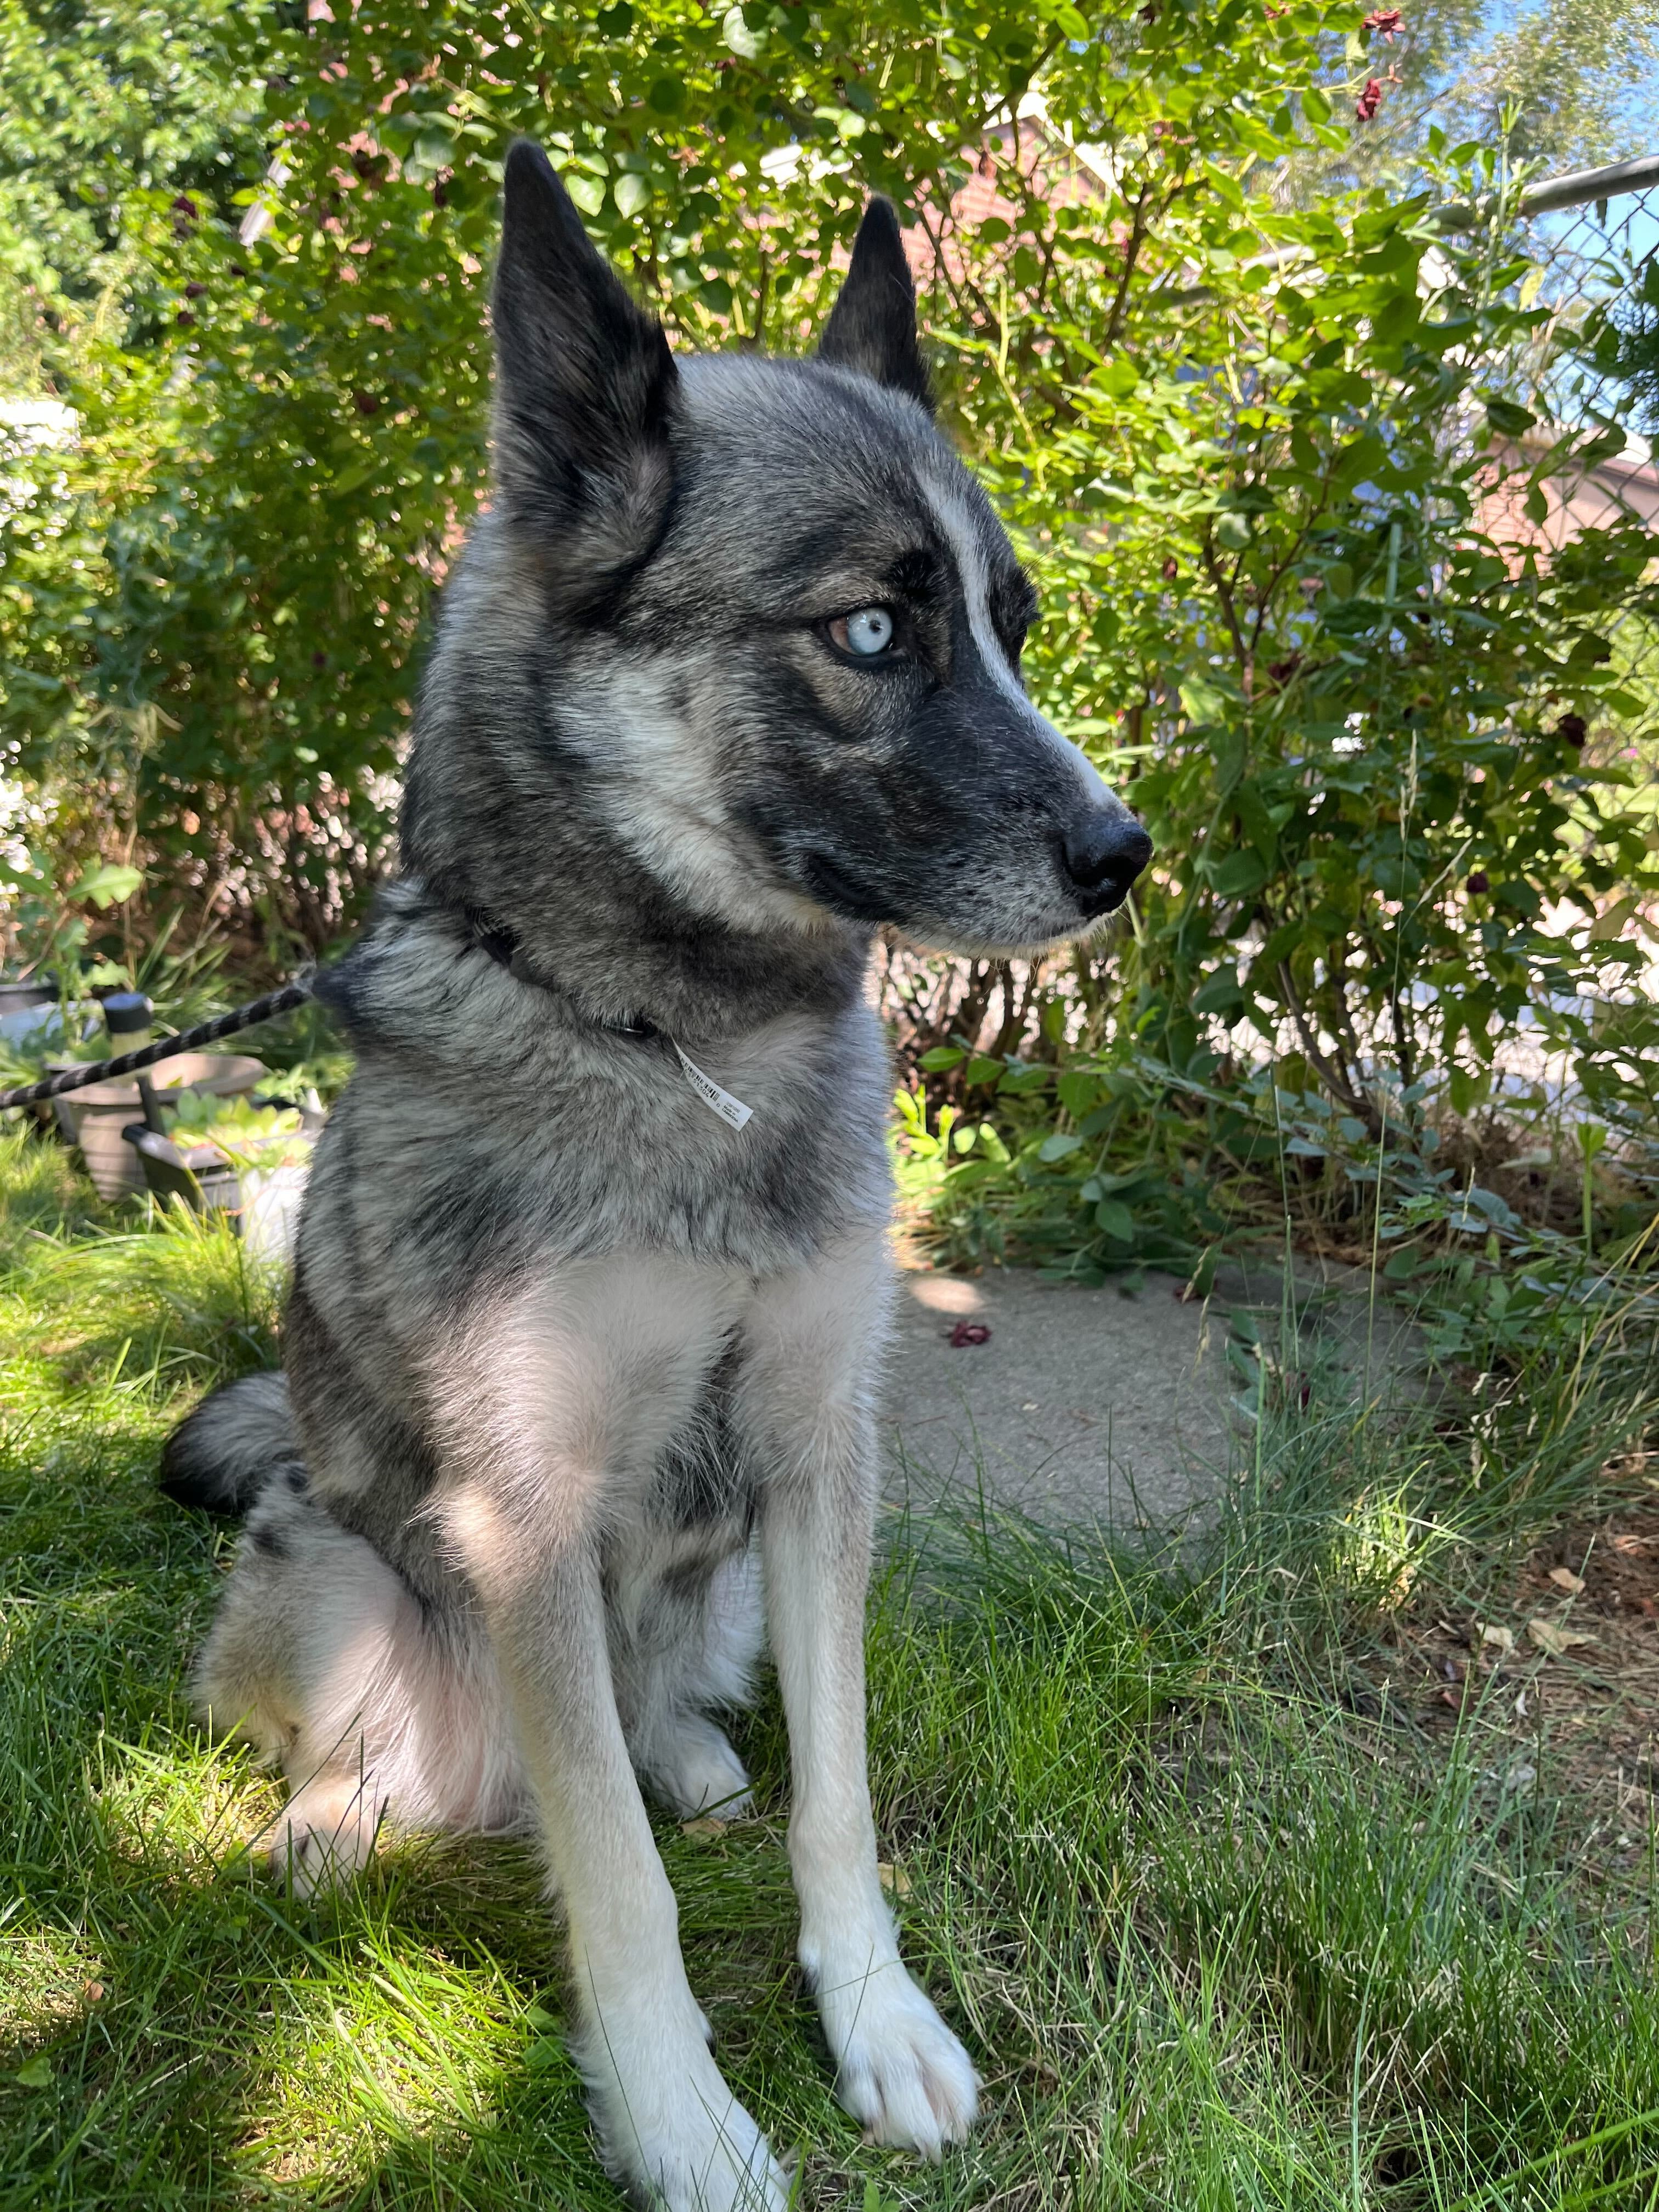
[[1282, 473], [246, 1132]]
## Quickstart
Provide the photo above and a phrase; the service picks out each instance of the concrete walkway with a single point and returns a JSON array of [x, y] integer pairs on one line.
[[1089, 1405], [1081, 1404]]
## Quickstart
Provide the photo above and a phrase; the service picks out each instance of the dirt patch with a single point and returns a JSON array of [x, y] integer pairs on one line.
[[1558, 1681]]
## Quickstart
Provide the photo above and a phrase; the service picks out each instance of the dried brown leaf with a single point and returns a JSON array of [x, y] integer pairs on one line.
[[1552, 1640]]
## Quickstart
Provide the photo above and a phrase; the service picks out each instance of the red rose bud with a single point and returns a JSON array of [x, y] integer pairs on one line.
[[1368, 102], [969, 1332], [1479, 882], [1171, 569], [1385, 21], [194, 291]]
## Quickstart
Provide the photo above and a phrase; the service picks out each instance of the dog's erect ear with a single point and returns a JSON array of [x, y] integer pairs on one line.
[[873, 325], [585, 384]]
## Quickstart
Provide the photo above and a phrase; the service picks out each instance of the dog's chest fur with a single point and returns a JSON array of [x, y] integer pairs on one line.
[[493, 1147]]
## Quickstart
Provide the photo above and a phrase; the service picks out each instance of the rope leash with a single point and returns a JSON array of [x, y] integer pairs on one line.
[[129, 1063], [500, 945]]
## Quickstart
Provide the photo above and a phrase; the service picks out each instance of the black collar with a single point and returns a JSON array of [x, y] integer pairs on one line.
[[503, 947]]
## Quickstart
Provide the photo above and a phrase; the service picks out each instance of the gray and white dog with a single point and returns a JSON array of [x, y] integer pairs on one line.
[[580, 1355]]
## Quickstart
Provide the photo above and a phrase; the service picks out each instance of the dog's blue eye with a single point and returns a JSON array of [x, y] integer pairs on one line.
[[869, 631]]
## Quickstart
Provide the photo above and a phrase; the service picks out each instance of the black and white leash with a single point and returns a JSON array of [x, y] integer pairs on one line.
[[497, 942], [129, 1063]]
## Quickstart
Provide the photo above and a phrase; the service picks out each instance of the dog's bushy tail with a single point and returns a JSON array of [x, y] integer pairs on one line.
[[231, 1446]]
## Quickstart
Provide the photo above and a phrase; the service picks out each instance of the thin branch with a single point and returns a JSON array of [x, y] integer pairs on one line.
[[1131, 255], [1224, 593], [1056, 40], [1402, 1043], [1333, 1079], [1344, 1016], [942, 268]]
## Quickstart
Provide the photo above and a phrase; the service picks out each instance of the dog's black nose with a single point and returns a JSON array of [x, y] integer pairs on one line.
[[1106, 851]]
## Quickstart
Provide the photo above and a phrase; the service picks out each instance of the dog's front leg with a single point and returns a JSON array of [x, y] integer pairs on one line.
[[899, 2070], [668, 2125], [559, 1407]]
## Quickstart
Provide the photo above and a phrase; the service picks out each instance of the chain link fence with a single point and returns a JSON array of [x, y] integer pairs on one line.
[[1593, 239]]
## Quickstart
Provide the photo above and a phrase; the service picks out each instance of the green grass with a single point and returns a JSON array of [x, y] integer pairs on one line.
[[1216, 1939]]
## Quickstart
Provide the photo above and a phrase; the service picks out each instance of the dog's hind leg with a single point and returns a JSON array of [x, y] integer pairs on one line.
[[684, 1638], [324, 1660]]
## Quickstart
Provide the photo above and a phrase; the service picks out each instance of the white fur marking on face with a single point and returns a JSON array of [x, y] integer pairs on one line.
[[957, 526]]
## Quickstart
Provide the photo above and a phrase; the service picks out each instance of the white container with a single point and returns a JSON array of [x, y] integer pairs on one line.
[[271, 1199]]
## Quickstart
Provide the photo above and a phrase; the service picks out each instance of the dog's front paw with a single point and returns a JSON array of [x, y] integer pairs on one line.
[[679, 2141], [899, 2070]]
